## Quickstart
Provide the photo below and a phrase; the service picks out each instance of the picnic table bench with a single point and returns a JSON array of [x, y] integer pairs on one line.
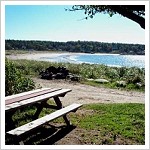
[[38, 97]]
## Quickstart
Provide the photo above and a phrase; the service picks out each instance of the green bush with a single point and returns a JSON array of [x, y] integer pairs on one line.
[[131, 75], [15, 82]]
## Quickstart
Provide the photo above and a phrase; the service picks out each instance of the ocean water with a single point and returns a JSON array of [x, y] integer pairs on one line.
[[106, 59], [112, 60]]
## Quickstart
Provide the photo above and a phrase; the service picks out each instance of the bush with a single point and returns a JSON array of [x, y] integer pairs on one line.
[[15, 82], [131, 75]]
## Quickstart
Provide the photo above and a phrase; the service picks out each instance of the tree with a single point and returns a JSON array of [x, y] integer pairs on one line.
[[134, 12]]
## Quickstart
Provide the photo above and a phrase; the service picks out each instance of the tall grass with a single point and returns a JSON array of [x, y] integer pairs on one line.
[[134, 77]]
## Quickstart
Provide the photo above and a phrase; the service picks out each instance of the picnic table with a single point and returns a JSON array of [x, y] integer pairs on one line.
[[39, 98]]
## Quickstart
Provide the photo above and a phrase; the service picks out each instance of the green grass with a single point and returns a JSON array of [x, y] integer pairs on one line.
[[131, 76], [103, 123], [126, 121], [24, 116]]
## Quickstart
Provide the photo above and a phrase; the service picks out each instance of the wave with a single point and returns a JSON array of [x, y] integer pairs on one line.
[[106, 59]]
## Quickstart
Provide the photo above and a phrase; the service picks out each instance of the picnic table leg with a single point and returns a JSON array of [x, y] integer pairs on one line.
[[42, 105], [38, 111], [59, 105], [9, 121]]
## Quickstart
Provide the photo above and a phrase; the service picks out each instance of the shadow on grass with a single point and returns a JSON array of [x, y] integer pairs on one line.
[[47, 135]]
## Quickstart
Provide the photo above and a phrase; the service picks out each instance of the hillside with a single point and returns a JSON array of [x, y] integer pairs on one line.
[[76, 46]]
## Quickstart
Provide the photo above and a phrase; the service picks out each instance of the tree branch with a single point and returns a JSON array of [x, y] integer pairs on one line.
[[138, 19]]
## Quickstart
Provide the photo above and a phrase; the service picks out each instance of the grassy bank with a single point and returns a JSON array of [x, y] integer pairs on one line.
[[123, 77], [101, 124]]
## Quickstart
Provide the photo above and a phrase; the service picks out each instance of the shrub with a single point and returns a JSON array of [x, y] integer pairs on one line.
[[131, 86], [15, 82], [131, 75]]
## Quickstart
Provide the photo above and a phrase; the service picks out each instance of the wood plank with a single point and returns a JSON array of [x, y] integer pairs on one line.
[[36, 99], [27, 96], [37, 123], [24, 93]]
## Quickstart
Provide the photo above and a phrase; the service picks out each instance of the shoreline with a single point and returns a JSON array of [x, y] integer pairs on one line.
[[52, 56], [70, 57]]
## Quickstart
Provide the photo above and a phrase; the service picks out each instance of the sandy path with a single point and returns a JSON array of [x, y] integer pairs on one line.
[[85, 94]]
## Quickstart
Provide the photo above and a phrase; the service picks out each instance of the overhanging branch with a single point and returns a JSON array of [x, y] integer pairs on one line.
[[130, 15]]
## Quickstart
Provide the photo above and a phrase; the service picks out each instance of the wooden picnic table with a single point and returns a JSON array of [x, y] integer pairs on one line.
[[38, 98]]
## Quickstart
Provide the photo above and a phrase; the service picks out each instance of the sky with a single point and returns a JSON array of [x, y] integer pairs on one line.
[[53, 23]]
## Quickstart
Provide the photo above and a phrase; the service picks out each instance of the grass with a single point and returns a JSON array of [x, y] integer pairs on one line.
[[24, 116], [133, 77], [116, 120], [15, 52], [103, 123], [111, 123]]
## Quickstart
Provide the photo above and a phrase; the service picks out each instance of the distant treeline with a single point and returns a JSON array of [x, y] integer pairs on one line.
[[76, 46]]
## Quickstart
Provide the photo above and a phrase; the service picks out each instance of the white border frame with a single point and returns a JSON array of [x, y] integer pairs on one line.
[[3, 146]]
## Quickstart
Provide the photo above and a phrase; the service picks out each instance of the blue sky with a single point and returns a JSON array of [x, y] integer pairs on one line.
[[53, 23]]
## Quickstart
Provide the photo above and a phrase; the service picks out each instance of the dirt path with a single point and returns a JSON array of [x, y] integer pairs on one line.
[[86, 94]]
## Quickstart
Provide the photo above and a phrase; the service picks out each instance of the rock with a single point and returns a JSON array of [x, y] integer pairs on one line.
[[75, 78], [121, 83], [101, 80], [58, 73], [60, 76], [54, 73], [46, 75], [139, 84], [90, 79]]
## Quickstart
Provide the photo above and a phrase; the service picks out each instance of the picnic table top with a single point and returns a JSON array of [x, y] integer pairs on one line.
[[27, 98]]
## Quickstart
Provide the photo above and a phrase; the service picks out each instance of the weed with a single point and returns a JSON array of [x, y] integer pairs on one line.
[[133, 77]]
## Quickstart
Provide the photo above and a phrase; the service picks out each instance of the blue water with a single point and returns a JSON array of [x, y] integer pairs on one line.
[[106, 59], [113, 60]]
